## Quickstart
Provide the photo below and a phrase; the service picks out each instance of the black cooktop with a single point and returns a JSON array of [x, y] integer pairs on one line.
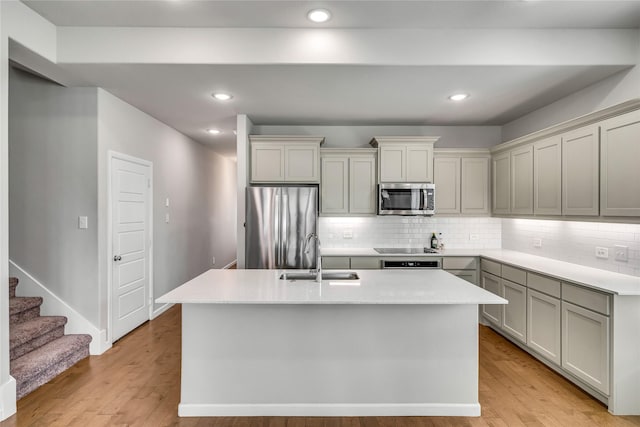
[[405, 250]]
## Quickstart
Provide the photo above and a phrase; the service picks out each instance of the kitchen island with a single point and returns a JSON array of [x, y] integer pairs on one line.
[[391, 343]]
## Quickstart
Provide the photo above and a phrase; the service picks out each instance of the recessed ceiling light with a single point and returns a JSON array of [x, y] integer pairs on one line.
[[222, 96], [319, 15], [213, 131], [459, 97]]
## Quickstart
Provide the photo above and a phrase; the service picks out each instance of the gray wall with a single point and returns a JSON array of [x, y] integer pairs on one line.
[[52, 180], [359, 136], [613, 90], [200, 184]]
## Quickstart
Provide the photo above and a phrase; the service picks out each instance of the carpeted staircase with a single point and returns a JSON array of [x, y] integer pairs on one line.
[[39, 348]]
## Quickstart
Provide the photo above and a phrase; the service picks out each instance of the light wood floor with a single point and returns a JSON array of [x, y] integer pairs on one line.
[[136, 383]]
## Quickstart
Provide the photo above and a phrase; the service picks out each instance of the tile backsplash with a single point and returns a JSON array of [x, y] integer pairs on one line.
[[410, 231], [570, 241], [575, 242]]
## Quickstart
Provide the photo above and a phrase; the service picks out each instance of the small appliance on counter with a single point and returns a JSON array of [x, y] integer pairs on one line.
[[278, 221], [406, 199]]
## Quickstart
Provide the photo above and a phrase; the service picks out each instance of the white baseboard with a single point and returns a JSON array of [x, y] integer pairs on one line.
[[330, 410], [231, 264], [52, 305], [157, 312], [7, 398]]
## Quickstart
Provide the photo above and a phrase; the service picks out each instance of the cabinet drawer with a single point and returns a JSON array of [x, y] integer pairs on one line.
[[491, 267], [543, 284], [586, 298], [514, 275], [469, 275], [365, 263], [335, 262], [459, 263]]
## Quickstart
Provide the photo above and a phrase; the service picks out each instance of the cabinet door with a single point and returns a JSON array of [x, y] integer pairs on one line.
[[267, 162], [514, 317], [335, 185], [362, 185], [446, 174], [585, 345], [522, 180], [469, 275], [492, 312], [392, 163], [335, 262], [620, 171], [419, 161], [474, 186], [501, 185], [301, 163], [547, 177], [581, 172], [543, 325]]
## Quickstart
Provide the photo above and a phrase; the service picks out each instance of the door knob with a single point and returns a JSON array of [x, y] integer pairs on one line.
[[117, 258]]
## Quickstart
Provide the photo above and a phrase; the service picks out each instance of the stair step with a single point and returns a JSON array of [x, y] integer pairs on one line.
[[31, 334], [13, 282], [24, 308], [45, 363]]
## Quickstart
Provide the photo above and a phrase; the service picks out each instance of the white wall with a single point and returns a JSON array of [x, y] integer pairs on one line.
[[575, 242], [53, 180], [359, 136], [244, 129], [199, 183], [396, 231]]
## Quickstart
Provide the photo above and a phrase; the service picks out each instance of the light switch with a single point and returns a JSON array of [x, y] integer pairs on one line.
[[622, 253], [166, 202], [347, 234], [83, 222], [166, 218]]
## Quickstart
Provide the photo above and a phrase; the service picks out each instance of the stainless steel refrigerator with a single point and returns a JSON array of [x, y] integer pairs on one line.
[[278, 220]]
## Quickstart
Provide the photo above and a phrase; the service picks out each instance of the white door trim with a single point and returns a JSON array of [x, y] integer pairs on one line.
[[116, 155]]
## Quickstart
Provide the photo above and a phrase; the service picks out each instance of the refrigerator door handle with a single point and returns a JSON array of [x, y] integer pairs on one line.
[[284, 229], [276, 231]]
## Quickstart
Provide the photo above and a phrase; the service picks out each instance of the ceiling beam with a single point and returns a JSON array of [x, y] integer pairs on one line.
[[356, 47]]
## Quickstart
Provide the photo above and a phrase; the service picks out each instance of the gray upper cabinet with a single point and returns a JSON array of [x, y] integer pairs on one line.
[[285, 159], [348, 184], [405, 158], [547, 176], [475, 186], [522, 180], [446, 176], [501, 183], [462, 181], [580, 172], [620, 165]]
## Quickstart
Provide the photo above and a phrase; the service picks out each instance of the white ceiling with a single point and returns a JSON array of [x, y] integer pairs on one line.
[[314, 94]]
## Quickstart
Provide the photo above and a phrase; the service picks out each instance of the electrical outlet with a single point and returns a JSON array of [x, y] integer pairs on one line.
[[347, 234], [622, 253], [83, 222], [166, 218], [474, 237], [537, 243], [602, 252]]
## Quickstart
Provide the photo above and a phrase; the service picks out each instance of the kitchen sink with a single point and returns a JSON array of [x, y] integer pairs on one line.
[[330, 275]]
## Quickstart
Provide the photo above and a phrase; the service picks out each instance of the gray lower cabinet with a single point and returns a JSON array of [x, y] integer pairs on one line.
[[492, 312], [336, 262], [585, 345], [514, 314], [543, 325], [462, 267]]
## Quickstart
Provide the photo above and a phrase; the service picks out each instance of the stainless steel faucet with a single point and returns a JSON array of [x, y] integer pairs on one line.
[[318, 257]]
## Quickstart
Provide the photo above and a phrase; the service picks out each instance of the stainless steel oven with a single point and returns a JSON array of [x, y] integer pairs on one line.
[[406, 199]]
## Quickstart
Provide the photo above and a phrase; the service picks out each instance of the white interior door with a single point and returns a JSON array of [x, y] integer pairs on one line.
[[130, 225]]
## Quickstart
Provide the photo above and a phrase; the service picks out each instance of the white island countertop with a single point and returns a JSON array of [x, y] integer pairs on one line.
[[373, 287]]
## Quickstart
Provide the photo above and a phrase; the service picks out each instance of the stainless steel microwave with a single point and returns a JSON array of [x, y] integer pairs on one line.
[[406, 199]]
